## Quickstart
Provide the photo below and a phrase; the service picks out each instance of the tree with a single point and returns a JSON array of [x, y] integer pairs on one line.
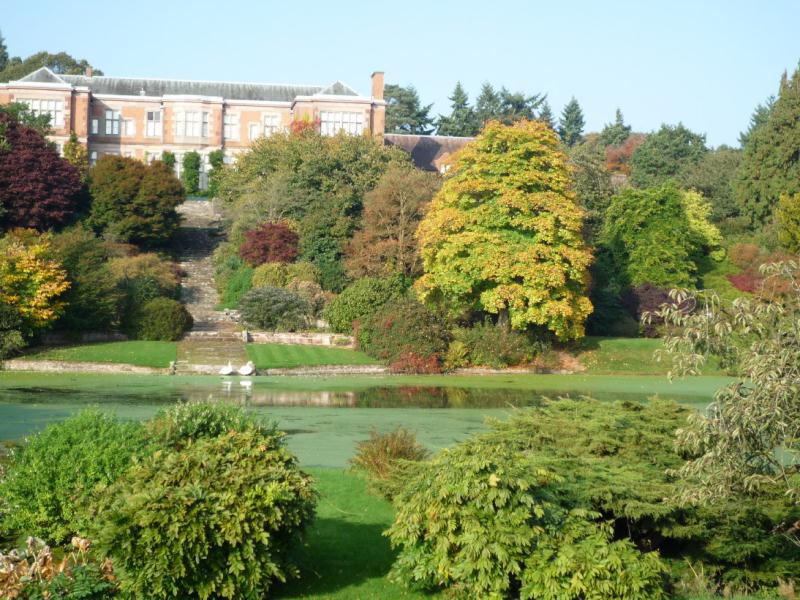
[[3, 52], [38, 188], [270, 243], [618, 158], [503, 235], [30, 281], [462, 121], [787, 215], [591, 181], [487, 106], [386, 243], [133, 202], [759, 117], [546, 115], [516, 106], [405, 113], [23, 115], [713, 176], [771, 163], [665, 154], [77, 155], [216, 158], [62, 62], [615, 134], [571, 123], [168, 158], [658, 235], [190, 172]]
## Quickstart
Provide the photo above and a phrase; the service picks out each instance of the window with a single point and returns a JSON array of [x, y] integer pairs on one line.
[[112, 122], [332, 123], [255, 131], [153, 125], [270, 124], [95, 126], [93, 157], [230, 125], [130, 127], [53, 108], [191, 124]]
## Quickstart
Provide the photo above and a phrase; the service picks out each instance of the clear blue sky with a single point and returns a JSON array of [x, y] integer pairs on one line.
[[706, 63]]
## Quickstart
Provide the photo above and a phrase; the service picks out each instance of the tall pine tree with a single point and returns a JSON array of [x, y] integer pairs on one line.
[[570, 125], [462, 121], [757, 119], [771, 162], [404, 111], [487, 106], [614, 134], [546, 115], [3, 52]]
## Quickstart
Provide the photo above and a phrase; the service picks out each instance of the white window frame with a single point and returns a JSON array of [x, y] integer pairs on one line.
[[204, 125], [112, 121], [334, 121], [272, 124], [153, 123], [53, 108], [191, 123], [230, 126], [93, 157], [95, 126], [254, 131], [129, 127]]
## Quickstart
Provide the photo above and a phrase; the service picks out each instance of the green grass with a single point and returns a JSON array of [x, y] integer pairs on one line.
[[139, 353], [345, 556], [283, 356], [632, 356], [715, 277]]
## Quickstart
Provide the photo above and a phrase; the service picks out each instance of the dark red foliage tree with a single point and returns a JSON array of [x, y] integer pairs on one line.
[[642, 299], [38, 188], [270, 242]]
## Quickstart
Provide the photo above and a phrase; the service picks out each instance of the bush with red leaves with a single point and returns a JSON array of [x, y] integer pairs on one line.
[[642, 299], [618, 157], [747, 281], [411, 363], [38, 188], [268, 243]]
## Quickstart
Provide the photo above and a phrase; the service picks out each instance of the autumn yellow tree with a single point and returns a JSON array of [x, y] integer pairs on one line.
[[503, 235], [30, 281]]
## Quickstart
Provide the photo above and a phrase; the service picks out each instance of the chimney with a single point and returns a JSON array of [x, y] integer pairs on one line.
[[377, 85], [89, 71]]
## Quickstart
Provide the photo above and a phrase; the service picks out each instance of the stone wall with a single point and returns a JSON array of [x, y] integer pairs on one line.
[[306, 339]]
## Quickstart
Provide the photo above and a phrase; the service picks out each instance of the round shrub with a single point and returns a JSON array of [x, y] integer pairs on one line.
[[51, 481], [270, 242], [361, 299], [213, 519], [278, 274], [403, 328], [273, 309], [380, 457], [162, 319], [488, 345]]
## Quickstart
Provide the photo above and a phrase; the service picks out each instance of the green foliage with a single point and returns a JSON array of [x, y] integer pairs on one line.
[[280, 274], [503, 235], [236, 284], [404, 327], [488, 345], [274, 309], [215, 518], [404, 111], [591, 182], [139, 279], [771, 165], [161, 319], [759, 117], [216, 158], [190, 172], [787, 215], [546, 115], [168, 158], [615, 134], [77, 155], [658, 235], [11, 330], [665, 154], [571, 123], [52, 480], [361, 299], [381, 457], [83, 582], [462, 121], [713, 176], [17, 68]]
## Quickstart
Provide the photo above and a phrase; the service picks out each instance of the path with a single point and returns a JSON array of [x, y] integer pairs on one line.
[[214, 339]]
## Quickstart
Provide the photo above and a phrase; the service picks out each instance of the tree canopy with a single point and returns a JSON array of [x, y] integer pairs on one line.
[[664, 154], [615, 134], [404, 111], [503, 235], [462, 120], [571, 123], [17, 68]]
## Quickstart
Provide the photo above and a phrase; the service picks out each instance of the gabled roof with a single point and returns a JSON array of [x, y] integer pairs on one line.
[[130, 86], [427, 151]]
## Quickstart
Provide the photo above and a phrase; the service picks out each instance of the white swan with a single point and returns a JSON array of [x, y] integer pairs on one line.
[[247, 369], [226, 370]]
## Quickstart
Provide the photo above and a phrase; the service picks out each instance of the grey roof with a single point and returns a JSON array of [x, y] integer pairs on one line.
[[427, 150], [128, 86]]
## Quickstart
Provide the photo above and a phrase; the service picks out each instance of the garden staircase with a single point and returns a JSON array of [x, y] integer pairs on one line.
[[214, 339]]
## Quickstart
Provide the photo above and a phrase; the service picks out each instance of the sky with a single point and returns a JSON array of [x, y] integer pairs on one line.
[[704, 63]]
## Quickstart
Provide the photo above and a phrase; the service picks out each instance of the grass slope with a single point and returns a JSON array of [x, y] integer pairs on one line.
[[139, 353], [282, 356], [633, 356]]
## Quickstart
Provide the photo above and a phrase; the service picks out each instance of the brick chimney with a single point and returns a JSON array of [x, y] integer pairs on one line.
[[89, 72], [377, 85]]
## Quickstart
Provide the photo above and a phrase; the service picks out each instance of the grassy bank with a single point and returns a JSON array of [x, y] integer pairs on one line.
[[139, 353], [285, 356], [634, 356]]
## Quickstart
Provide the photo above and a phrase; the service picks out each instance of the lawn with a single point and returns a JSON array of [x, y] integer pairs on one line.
[[284, 356], [139, 353], [633, 356]]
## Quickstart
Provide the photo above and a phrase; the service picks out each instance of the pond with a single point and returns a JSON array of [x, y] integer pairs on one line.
[[326, 416]]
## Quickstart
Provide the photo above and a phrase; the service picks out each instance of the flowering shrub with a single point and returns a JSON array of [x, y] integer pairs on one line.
[[270, 242], [411, 363]]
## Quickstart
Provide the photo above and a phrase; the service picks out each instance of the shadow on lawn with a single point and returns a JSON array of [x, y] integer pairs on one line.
[[338, 553]]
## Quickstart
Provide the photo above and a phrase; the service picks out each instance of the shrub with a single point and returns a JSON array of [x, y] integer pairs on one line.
[[646, 298], [361, 299], [380, 455], [168, 158], [411, 363], [312, 293], [270, 242], [162, 319], [402, 328], [190, 173], [744, 256], [216, 158], [457, 355], [278, 274], [52, 479], [213, 519], [489, 345], [274, 308]]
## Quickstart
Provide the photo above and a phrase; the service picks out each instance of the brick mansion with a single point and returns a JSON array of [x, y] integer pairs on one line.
[[142, 118]]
